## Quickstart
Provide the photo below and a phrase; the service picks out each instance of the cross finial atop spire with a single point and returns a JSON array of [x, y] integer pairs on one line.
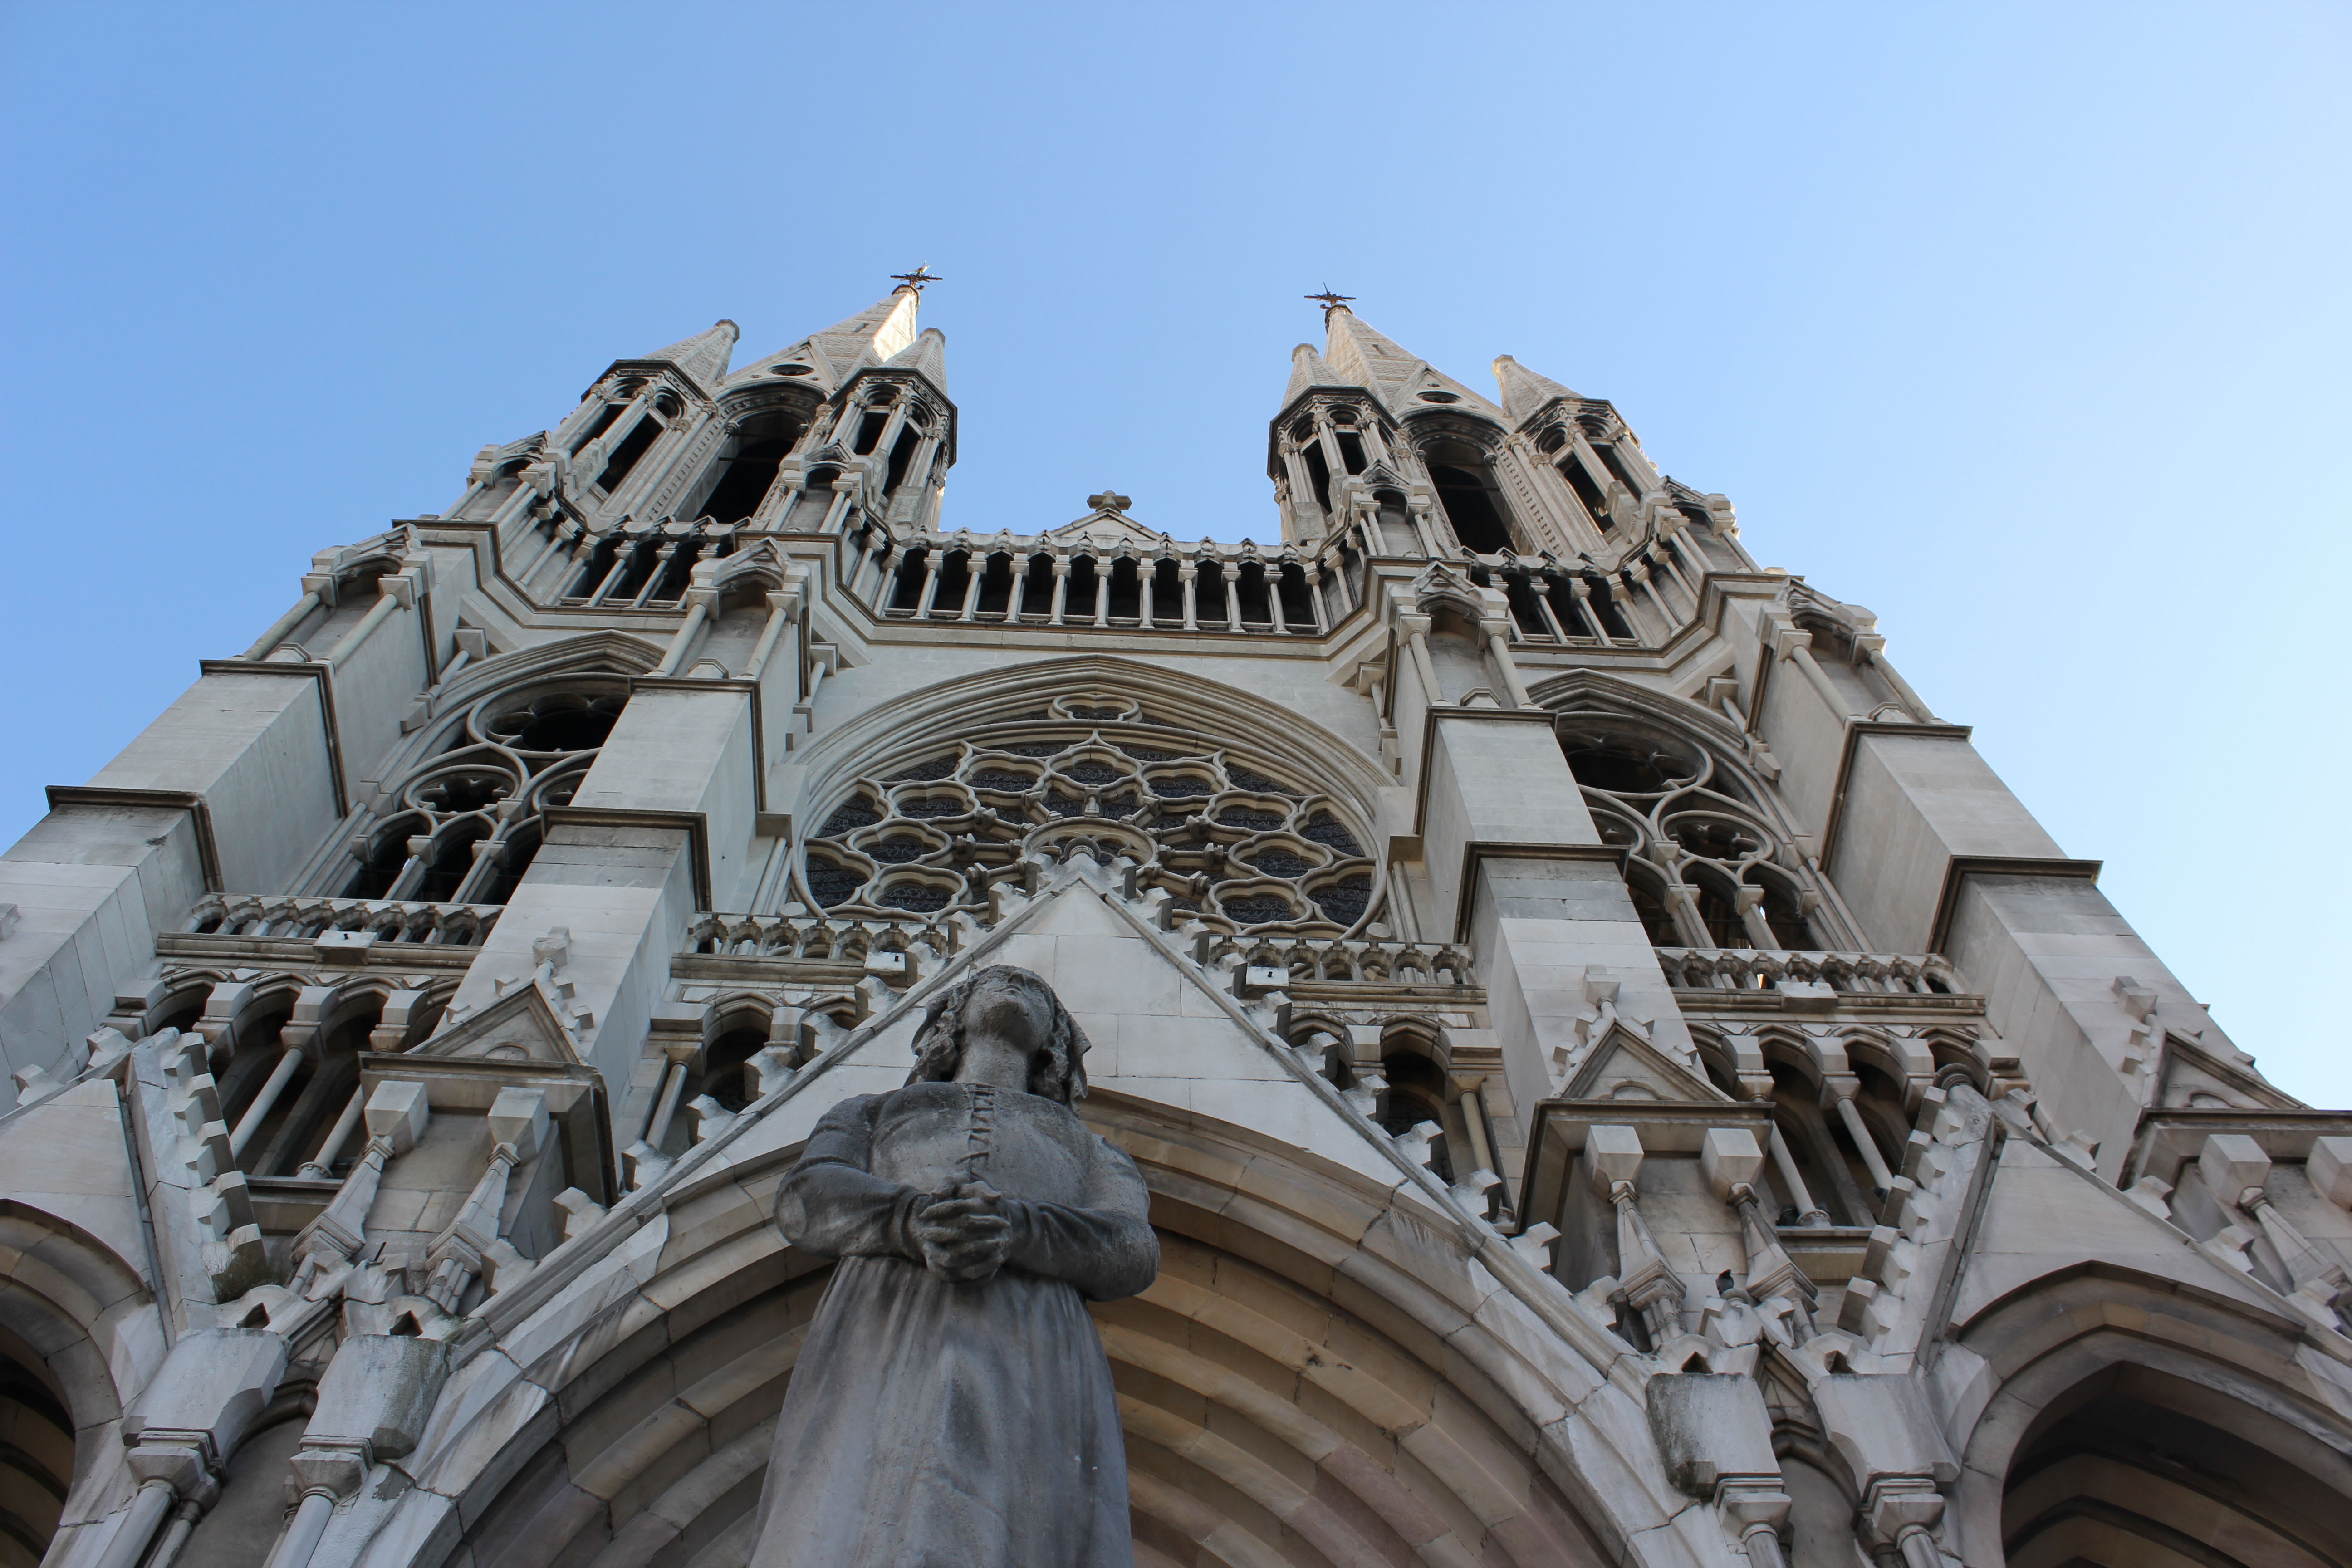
[[916, 279], [1329, 301]]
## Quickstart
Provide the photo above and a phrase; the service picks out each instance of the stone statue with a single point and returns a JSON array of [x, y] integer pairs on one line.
[[952, 1406]]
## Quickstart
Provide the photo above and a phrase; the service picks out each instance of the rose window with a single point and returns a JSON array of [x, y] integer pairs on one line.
[[1235, 841]]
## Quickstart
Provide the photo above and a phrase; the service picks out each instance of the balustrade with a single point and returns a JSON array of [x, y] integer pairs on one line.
[[1764, 969], [295, 919]]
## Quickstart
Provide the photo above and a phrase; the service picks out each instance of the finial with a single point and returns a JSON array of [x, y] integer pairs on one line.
[[1329, 301], [915, 279], [1109, 501]]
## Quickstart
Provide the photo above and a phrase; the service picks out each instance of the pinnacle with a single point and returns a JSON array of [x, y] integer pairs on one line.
[[1306, 369], [926, 357], [1524, 391], [703, 356]]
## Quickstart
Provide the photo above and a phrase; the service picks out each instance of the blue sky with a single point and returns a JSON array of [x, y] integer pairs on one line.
[[2025, 326]]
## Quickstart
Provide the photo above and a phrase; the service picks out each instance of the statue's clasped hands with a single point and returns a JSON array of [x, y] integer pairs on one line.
[[962, 1233]]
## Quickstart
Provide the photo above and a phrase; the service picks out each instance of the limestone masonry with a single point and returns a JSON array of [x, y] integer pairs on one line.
[[1619, 1079]]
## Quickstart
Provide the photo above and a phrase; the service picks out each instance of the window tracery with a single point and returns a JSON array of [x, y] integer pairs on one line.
[[1706, 863], [463, 825], [1234, 842]]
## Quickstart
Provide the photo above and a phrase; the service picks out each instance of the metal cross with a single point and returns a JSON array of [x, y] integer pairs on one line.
[[918, 278], [1329, 301]]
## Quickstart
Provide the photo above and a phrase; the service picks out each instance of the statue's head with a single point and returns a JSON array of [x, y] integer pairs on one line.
[[1013, 1004]]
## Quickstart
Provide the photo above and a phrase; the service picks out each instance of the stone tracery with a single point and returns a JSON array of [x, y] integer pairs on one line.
[[1232, 844]]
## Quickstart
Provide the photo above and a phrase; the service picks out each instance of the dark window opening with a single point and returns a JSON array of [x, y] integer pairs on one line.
[[955, 575], [1524, 608], [870, 430], [1790, 930], [599, 563], [1579, 480], [1563, 607], [996, 585], [727, 1075], [1167, 594], [603, 422], [568, 728], [1209, 601], [386, 859], [637, 568], [912, 569], [1622, 764], [1352, 452], [1471, 507], [902, 452], [1126, 590], [1604, 605], [1080, 603], [453, 857], [747, 477], [1037, 594], [1297, 607], [1616, 466], [514, 859], [1416, 1094], [1249, 592], [633, 446], [677, 575], [1318, 471], [1721, 916]]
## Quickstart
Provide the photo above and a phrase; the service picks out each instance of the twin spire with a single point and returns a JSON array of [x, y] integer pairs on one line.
[[1354, 356]]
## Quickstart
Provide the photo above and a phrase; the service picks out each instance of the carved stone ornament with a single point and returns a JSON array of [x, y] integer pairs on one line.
[[953, 1403]]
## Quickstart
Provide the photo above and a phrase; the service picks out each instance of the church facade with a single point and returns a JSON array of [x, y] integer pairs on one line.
[[1620, 1080]]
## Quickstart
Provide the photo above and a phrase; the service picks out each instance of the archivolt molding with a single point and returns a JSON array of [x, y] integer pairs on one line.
[[1323, 1372], [937, 715], [90, 1317], [2271, 1382], [1499, 1385]]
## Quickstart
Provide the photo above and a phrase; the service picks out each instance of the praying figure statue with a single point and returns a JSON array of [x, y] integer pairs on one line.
[[953, 1405]]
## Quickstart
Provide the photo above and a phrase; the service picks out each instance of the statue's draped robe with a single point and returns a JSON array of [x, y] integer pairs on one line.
[[937, 1424]]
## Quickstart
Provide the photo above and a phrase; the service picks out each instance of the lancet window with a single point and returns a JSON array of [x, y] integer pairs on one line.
[[462, 826], [747, 466], [1473, 502], [1706, 862], [1235, 841], [632, 447]]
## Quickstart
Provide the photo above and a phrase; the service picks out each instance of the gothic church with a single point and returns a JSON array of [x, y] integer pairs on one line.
[[1620, 1080]]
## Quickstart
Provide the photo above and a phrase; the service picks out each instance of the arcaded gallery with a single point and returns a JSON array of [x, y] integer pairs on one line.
[[684, 1011]]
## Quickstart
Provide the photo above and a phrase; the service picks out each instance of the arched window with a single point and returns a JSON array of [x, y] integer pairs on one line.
[[1233, 843], [649, 428], [747, 465], [36, 1458], [2137, 1465], [1473, 504], [462, 826], [1706, 862]]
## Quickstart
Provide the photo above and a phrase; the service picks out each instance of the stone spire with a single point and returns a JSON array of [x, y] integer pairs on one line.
[[1401, 380], [703, 356], [870, 337], [1524, 391], [926, 357]]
